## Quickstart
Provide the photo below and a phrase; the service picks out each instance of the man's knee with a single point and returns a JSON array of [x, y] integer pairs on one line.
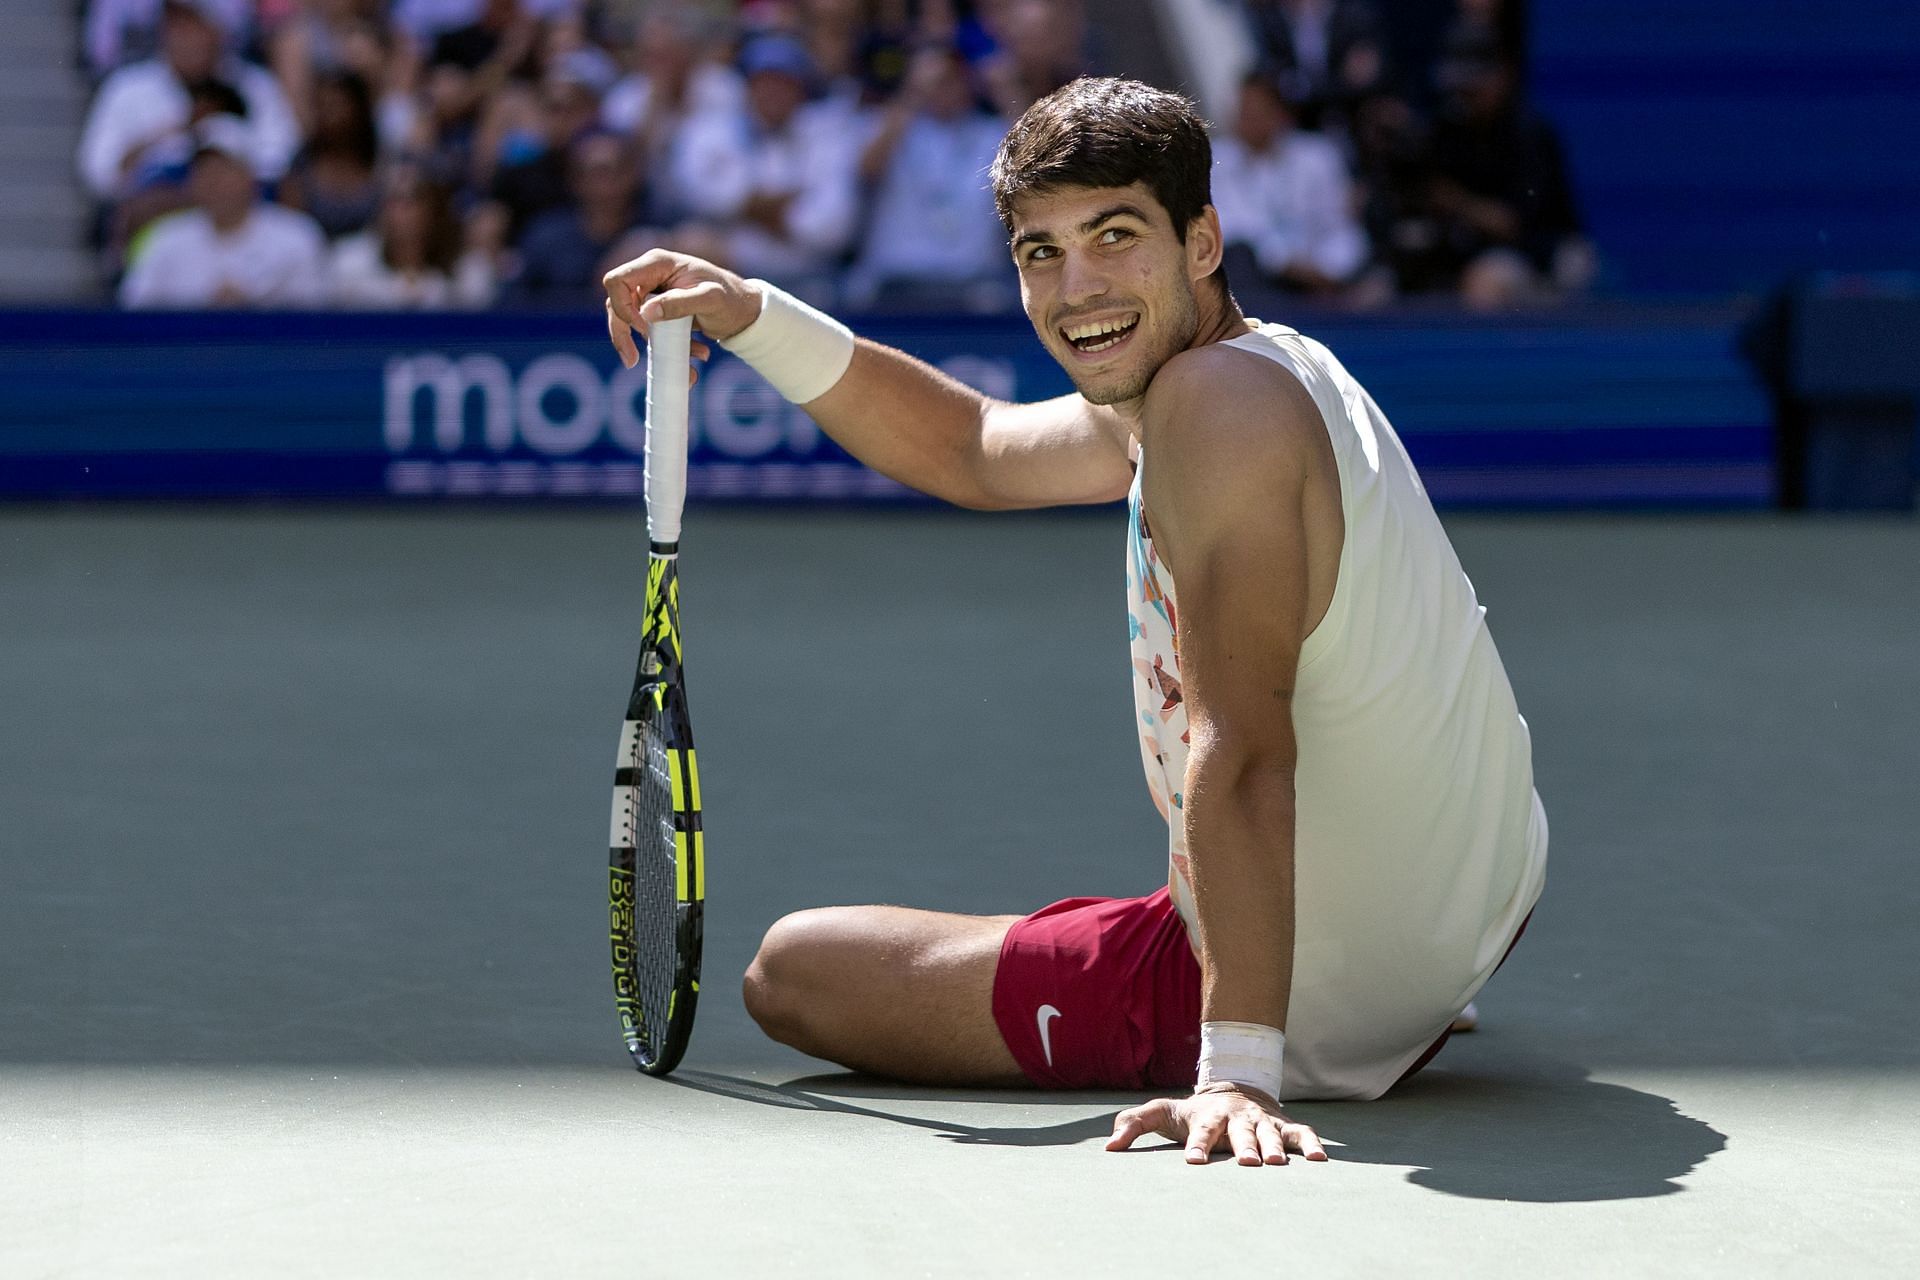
[[785, 980]]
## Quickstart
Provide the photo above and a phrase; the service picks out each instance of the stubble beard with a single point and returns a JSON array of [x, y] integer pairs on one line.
[[1183, 323]]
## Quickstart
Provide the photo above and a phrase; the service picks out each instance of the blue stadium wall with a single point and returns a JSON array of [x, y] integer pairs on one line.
[[1606, 407], [1721, 145]]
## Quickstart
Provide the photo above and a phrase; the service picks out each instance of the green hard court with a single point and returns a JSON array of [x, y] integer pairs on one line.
[[302, 924]]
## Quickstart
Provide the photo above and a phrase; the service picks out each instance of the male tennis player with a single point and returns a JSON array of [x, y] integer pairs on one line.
[[1355, 841]]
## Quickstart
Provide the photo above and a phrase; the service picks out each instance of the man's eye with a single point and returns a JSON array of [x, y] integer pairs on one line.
[[1041, 252], [1114, 235]]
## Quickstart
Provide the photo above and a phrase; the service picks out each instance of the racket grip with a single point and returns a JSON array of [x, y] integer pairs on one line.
[[669, 353]]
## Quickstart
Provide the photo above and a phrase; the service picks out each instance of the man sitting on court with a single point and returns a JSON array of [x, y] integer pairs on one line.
[[1355, 841]]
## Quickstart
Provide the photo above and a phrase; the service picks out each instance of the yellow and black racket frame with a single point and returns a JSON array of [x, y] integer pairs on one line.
[[658, 706]]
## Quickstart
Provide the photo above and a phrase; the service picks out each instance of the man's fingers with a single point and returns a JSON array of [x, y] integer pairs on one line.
[[1126, 1127], [622, 335], [675, 303], [1203, 1138], [1273, 1144], [641, 276], [1305, 1141], [1245, 1138], [1136, 1122]]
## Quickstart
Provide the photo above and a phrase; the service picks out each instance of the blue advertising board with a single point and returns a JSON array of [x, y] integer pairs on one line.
[[1594, 410]]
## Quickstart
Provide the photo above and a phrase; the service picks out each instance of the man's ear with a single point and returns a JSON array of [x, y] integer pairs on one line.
[[1204, 245]]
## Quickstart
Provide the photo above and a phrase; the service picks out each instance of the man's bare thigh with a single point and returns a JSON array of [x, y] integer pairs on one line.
[[892, 991]]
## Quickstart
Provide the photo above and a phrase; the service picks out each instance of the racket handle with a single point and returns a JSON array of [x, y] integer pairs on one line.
[[669, 353]]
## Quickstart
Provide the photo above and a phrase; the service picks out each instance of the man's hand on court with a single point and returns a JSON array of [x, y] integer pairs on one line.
[[1243, 1120], [663, 285]]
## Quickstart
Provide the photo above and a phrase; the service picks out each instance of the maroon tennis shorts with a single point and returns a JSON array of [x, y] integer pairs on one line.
[[1104, 993]]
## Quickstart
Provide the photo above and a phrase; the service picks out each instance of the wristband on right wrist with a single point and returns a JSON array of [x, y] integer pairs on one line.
[[1245, 1053], [800, 350]]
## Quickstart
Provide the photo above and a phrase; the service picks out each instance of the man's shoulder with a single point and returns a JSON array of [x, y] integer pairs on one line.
[[1232, 438], [1222, 395]]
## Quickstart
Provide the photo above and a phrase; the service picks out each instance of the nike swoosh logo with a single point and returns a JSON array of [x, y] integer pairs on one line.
[[1047, 1012]]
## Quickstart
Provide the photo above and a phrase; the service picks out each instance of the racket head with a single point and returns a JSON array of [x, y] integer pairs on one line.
[[656, 874]]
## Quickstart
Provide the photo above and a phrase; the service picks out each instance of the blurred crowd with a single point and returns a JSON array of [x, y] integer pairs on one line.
[[471, 153]]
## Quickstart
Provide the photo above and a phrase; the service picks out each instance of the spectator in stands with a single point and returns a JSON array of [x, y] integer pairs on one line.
[[568, 249], [567, 46], [318, 38], [1500, 190], [1324, 53], [474, 62], [772, 188], [231, 250], [440, 135], [124, 31], [1039, 45], [1285, 195], [535, 172], [670, 80], [1393, 172], [834, 32], [933, 238], [412, 256], [160, 184], [1501, 24], [334, 178], [143, 109]]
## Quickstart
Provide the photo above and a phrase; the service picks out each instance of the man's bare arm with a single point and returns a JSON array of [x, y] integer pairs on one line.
[[1225, 478], [899, 415], [1225, 434]]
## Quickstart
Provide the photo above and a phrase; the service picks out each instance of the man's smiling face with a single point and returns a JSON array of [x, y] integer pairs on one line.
[[1107, 283]]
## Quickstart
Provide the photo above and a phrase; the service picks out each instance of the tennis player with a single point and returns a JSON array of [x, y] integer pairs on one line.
[[1354, 837]]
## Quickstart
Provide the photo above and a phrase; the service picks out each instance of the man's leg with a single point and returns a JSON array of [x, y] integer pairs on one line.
[[887, 990]]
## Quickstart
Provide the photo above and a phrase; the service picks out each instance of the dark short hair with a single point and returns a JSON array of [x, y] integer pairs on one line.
[[1099, 131]]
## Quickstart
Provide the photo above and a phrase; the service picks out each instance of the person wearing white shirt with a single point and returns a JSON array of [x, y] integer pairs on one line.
[[774, 184], [933, 231], [123, 31], [1285, 194], [411, 257], [230, 250], [146, 105], [670, 81]]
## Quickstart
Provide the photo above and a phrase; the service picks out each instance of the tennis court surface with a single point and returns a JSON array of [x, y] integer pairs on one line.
[[302, 929]]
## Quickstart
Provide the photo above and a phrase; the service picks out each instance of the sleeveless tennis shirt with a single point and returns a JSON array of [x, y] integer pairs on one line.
[[1420, 845]]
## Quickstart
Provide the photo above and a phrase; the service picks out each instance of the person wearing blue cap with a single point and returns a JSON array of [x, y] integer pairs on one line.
[[771, 185]]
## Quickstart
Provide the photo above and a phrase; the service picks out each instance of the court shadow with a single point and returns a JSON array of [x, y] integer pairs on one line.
[[1533, 1130], [828, 1092]]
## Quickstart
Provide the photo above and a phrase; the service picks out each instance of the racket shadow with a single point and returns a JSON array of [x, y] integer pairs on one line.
[[829, 1093]]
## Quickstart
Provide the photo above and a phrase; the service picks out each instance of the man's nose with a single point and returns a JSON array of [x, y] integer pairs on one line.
[[1081, 279]]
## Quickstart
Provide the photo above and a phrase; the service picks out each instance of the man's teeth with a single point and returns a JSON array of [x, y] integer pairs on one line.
[[1083, 335]]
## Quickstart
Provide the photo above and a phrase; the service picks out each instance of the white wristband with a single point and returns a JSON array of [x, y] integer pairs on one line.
[[800, 350], [1241, 1053]]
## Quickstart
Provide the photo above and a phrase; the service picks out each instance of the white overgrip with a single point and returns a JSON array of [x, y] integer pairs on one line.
[[669, 352]]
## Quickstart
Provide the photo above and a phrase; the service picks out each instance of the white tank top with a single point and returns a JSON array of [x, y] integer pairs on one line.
[[1420, 845]]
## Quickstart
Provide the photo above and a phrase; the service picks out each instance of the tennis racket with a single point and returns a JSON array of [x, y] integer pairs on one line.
[[656, 881]]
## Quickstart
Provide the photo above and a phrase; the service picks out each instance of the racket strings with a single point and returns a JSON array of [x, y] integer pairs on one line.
[[656, 903]]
